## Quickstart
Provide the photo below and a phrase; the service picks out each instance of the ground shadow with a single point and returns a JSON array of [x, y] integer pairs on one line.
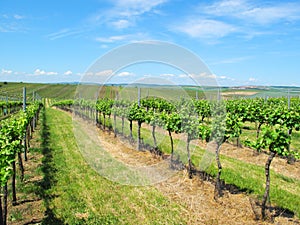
[[49, 170]]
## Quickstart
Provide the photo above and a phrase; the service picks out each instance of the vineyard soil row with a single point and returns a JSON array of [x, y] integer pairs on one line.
[[195, 195], [73, 193]]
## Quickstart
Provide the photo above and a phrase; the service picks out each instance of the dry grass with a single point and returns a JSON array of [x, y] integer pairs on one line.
[[195, 195]]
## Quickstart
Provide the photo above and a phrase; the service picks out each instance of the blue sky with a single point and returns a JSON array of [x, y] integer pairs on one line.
[[243, 42]]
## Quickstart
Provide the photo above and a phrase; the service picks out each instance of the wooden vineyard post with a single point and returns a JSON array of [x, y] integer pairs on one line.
[[139, 123], [24, 109]]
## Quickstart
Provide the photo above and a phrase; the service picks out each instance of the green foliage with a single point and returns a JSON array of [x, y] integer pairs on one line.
[[11, 134], [171, 122], [136, 113], [274, 138], [217, 121]]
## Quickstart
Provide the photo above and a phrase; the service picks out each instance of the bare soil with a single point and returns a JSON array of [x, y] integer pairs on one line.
[[196, 195], [244, 93], [30, 207]]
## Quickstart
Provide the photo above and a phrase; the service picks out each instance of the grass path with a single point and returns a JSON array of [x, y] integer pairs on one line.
[[78, 195]]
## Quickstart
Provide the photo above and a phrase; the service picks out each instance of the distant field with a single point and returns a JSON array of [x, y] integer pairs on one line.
[[14, 91]]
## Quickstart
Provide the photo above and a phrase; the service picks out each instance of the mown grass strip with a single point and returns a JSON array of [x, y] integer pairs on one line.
[[285, 191], [81, 196]]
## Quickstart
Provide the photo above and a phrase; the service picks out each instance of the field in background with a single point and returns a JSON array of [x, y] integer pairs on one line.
[[14, 91]]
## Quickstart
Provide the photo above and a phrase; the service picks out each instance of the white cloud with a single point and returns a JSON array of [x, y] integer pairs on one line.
[[122, 38], [268, 15], [121, 24], [212, 21], [124, 13], [18, 17], [226, 7], [251, 79], [65, 33], [69, 72], [183, 75], [231, 60], [11, 27], [203, 75], [51, 73], [206, 28], [125, 74], [167, 75], [104, 73], [59, 34], [129, 8], [222, 77], [6, 72], [11, 23], [10, 16], [39, 72], [112, 39], [255, 13]]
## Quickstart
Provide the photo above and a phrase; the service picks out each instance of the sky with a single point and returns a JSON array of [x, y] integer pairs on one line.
[[242, 42]]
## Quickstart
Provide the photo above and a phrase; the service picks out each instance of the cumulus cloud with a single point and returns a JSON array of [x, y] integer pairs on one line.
[[6, 72], [125, 74], [39, 72], [68, 72]]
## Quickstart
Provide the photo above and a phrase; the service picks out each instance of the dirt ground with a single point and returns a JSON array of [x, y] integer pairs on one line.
[[30, 207], [239, 93], [197, 195]]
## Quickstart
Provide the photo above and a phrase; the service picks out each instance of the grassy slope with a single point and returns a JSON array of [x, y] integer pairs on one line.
[[81, 196], [60, 91], [15, 90]]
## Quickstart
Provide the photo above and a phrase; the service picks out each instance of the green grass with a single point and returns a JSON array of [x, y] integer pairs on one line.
[[285, 191], [76, 194], [15, 216], [57, 91]]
